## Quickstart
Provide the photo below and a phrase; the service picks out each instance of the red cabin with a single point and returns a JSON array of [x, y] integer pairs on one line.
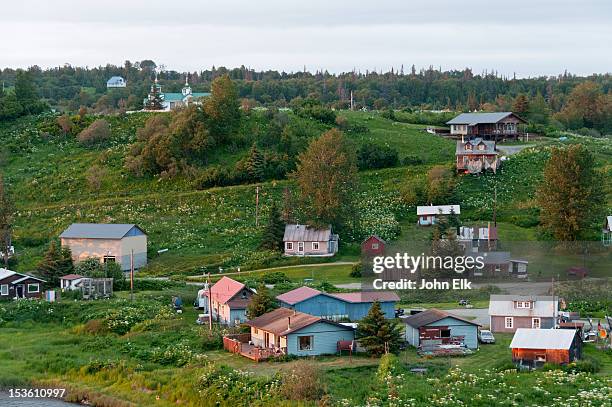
[[373, 246]]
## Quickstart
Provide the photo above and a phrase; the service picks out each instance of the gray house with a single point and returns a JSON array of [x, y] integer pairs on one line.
[[432, 328], [120, 243], [304, 240], [507, 313]]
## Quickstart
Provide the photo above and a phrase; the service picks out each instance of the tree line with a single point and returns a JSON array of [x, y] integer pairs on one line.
[[568, 100]]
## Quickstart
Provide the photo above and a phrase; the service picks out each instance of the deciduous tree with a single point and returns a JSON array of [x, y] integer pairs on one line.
[[571, 194]]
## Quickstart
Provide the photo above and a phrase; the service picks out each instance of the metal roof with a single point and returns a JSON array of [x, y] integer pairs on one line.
[[438, 209], [368, 296], [544, 306], [298, 295], [529, 338], [305, 233], [115, 79], [476, 118], [98, 230], [226, 289], [489, 147], [432, 315], [4, 273], [283, 321]]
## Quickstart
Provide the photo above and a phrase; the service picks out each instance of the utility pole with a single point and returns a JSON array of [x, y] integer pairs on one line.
[[495, 206], [257, 205], [209, 302], [132, 275], [352, 102]]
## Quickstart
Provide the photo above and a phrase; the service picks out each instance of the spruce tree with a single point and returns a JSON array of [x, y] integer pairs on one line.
[[255, 164], [261, 302], [377, 334], [272, 236], [56, 263], [155, 100]]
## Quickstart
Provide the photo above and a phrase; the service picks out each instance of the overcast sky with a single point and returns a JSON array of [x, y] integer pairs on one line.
[[529, 37]]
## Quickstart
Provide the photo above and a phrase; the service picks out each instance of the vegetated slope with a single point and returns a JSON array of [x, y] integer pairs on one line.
[[48, 174]]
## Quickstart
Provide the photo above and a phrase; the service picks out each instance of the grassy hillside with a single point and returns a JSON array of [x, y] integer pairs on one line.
[[216, 227]]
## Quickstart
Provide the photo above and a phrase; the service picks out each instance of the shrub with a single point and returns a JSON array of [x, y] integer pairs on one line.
[[303, 382], [412, 160], [372, 156], [97, 132], [274, 278], [586, 365], [356, 270], [389, 366]]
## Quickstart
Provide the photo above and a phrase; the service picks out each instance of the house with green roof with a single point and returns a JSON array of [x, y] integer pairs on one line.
[[172, 101]]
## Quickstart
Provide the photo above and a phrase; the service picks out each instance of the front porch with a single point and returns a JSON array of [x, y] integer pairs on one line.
[[242, 344]]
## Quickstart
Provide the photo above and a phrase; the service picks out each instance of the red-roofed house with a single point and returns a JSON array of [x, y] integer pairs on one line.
[[70, 281], [229, 300], [338, 306]]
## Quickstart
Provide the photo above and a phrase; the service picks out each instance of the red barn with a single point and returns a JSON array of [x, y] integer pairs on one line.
[[373, 246], [534, 347]]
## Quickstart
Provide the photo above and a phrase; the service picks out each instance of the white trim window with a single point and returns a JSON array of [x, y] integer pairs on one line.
[[288, 245], [306, 342], [509, 322], [301, 247], [315, 245], [4, 289], [33, 288], [374, 246], [536, 323]]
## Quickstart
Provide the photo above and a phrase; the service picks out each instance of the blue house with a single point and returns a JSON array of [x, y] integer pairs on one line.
[[338, 306], [285, 331], [434, 327]]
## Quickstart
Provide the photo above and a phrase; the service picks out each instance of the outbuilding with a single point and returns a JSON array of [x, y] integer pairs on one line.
[[428, 214], [108, 242], [534, 347], [373, 246], [432, 328]]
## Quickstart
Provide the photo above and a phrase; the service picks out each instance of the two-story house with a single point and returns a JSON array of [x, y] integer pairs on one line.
[[229, 299], [489, 126], [507, 313], [476, 155]]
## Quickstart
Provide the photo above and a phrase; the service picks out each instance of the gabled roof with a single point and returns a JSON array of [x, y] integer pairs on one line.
[[380, 239], [303, 293], [430, 316], [99, 230], [305, 233], [503, 305], [368, 296], [115, 79], [4, 273], [481, 118], [489, 147], [71, 277], [224, 291], [438, 209], [283, 321], [529, 338], [298, 295]]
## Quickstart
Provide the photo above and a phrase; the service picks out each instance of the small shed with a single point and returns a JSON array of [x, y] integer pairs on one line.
[[116, 82], [96, 288], [373, 246], [432, 328], [70, 281], [534, 347]]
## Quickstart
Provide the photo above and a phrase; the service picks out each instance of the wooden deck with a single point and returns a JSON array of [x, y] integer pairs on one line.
[[240, 344]]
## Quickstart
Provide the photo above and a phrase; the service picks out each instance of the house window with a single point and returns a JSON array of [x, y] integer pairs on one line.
[[109, 259], [4, 289], [289, 246], [255, 331], [305, 342], [374, 246], [33, 288], [445, 333], [535, 323], [509, 322], [300, 246], [315, 245], [243, 295]]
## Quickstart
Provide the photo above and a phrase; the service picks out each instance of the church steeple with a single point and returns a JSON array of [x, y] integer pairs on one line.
[[186, 89]]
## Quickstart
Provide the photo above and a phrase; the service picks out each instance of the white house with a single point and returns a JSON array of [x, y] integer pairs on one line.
[[428, 214], [606, 233], [171, 101], [116, 82]]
